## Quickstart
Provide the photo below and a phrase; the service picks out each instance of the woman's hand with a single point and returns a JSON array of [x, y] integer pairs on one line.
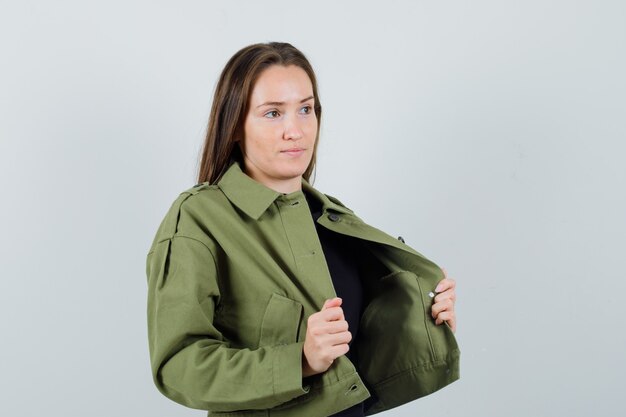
[[443, 309], [327, 338]]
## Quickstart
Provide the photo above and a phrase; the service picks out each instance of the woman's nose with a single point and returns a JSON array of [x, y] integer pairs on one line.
[[292, 128]]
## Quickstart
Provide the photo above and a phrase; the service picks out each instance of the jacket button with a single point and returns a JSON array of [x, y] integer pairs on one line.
[[400, 239], [333, 217]]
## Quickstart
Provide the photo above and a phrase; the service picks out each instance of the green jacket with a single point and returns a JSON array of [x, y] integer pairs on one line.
[[234, 272]]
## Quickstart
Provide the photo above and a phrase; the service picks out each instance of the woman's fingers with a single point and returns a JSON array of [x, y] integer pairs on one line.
[[449, 317], [443, 307], [445, 284], [448, 294]]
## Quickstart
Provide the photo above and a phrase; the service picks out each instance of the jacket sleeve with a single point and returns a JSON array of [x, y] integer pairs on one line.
[[191, 361]]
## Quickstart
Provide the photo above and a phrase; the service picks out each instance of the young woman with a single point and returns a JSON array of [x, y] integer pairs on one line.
[[267, 297]]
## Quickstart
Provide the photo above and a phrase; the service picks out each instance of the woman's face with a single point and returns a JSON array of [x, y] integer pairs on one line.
[[280, 128]]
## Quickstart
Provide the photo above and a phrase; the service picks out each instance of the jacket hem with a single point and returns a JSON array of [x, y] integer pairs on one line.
[[318, 402], [441, 373]]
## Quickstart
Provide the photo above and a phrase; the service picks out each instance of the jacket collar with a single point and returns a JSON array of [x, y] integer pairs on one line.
[[327, 203], [254, 198]]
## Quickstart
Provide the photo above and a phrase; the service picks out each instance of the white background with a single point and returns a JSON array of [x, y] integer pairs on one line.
[[491, 134]]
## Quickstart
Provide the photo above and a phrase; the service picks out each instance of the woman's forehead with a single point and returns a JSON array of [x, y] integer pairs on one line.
[[279, 85]]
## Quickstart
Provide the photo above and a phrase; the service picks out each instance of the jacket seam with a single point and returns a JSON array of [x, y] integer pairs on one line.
[[196, 240], [426, 324], [282, 223], [203, 244]]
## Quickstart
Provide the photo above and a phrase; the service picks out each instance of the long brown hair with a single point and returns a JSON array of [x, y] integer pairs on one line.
[[231, 100]]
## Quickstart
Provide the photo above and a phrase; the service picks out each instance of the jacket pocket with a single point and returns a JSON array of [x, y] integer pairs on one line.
[[281, 321]]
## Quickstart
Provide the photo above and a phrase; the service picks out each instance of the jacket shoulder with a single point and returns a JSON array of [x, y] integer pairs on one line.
[[180, 215], [199, 187]]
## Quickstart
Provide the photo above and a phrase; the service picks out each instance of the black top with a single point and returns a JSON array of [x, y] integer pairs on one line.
[[341, 252]]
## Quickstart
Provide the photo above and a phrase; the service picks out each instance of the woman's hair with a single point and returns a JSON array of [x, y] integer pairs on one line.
[[231, 101]]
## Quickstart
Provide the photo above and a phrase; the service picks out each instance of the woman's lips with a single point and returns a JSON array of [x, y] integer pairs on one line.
[[293, 152]]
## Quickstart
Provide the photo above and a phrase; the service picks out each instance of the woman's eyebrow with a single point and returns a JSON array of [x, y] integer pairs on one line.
[[280, 103]]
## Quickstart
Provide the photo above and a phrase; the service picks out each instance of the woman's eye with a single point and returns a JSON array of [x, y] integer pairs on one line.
[[274, 114], [308, 109]]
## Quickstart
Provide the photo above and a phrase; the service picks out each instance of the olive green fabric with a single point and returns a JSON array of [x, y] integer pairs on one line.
[[234, 272]]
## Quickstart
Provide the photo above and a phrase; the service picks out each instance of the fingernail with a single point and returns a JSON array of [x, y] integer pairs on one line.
[[438, 288]]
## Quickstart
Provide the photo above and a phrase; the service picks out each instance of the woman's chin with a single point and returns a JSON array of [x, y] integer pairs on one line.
[[294, 170]]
